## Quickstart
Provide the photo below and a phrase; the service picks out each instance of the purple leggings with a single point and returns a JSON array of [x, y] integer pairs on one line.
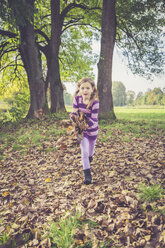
[[87, 150]]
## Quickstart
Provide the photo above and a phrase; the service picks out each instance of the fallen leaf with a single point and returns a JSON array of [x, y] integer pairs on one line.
[[5, 194], [48, 180]]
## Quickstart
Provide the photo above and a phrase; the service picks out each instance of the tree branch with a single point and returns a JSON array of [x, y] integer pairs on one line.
[[74, 5], [7, 33], [11, 64], [129, 35], [80, 24], [42, 34], [7, 51], [43, 48], [3, 45]]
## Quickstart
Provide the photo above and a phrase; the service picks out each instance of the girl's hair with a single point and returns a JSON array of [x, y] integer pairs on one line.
[[94, 94]]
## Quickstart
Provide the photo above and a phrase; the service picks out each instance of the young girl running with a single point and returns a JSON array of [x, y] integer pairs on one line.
[[85, 101]]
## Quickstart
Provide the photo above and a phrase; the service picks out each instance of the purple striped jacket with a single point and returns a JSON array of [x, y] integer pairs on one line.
[[91, 113]]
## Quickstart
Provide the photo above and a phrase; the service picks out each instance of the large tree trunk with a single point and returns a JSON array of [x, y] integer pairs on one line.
[[56, 88], [31, 59], [105, 63]]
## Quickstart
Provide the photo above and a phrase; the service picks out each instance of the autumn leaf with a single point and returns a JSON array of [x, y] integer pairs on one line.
[[63, 146], [6, 193], [48, 180], [10, 204], [78, 242], [69, 129]]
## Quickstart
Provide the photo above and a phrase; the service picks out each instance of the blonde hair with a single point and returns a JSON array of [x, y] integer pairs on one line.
[[94, 95]]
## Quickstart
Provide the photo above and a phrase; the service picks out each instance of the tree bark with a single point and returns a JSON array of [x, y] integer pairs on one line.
[[105, 62], [56, 88], [31, 59]]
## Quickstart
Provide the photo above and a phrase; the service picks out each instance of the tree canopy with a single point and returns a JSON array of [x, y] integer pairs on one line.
[[69, 31], [140, 35]]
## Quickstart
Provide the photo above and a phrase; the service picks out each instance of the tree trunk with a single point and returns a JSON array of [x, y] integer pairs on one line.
[[56, 88], [105, 63], [31, 59]]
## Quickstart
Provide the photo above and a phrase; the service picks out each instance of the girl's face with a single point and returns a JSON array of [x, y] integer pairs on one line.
[[85, 90]]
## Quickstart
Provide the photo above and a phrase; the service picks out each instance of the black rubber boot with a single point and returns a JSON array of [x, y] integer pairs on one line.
[[90, 159], [88, 178]]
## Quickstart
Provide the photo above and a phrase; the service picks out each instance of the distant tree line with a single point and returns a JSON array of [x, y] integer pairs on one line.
[[68, 98], [121, 97]]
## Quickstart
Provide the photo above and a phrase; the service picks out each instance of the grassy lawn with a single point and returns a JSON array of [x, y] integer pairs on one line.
[[153, 115], [127, 113]]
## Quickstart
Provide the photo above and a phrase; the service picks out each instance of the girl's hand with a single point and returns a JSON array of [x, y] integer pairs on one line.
[[74, 124], [74, 117]]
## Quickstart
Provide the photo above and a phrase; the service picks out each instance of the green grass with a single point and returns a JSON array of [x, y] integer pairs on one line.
[[136, 119], [62, 233], [31, 134], [68, 108], [127, 130], [133, 122], [4, 238], [150, 193], [138, 114]]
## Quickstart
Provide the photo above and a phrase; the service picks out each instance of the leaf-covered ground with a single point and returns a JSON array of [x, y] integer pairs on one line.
[[39, 184]]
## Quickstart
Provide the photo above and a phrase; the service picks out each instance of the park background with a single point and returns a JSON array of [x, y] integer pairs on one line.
[[43, 201]]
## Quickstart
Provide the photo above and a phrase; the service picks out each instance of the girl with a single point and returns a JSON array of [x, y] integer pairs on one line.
[[85, 101]]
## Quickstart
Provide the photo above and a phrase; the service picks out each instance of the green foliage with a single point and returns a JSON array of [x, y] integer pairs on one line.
[[139, 35], [154, 97], [14, 95], [130, 96], [4, 238], [151, 97], [68, 99], [19, 106], [26, 237], [139, 30], [118, 93], [140, 99], [62, 232], [150, 193], [76, 53], [12, 77]]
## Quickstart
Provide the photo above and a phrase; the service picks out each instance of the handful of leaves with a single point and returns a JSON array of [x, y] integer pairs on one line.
[[81, 124]]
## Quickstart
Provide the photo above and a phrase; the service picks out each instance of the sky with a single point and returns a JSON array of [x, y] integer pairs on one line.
[[120, 72]]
